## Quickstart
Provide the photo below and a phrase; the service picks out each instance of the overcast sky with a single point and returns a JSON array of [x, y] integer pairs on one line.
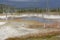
[[19, 0], [31, 3], [24, 0]]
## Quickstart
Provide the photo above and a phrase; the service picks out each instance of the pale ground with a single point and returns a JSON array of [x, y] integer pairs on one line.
[[47, 16], [18, 28]]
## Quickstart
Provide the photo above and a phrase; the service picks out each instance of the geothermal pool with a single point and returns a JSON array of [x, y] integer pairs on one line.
[[13, 29], [39, 19], [17, 29]]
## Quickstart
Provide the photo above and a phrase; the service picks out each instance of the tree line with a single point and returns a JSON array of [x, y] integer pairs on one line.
[[37, 10], [34, 10]]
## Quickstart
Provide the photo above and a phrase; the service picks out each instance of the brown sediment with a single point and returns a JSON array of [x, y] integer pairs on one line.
[[53, 25], [36, 35], [36, 24], [26, 21]]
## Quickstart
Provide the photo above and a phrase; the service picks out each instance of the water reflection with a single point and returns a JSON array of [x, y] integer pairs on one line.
[[39, 19]]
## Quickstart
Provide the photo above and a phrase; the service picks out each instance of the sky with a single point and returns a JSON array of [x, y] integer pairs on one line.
[[32, 3], [24, 0]]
